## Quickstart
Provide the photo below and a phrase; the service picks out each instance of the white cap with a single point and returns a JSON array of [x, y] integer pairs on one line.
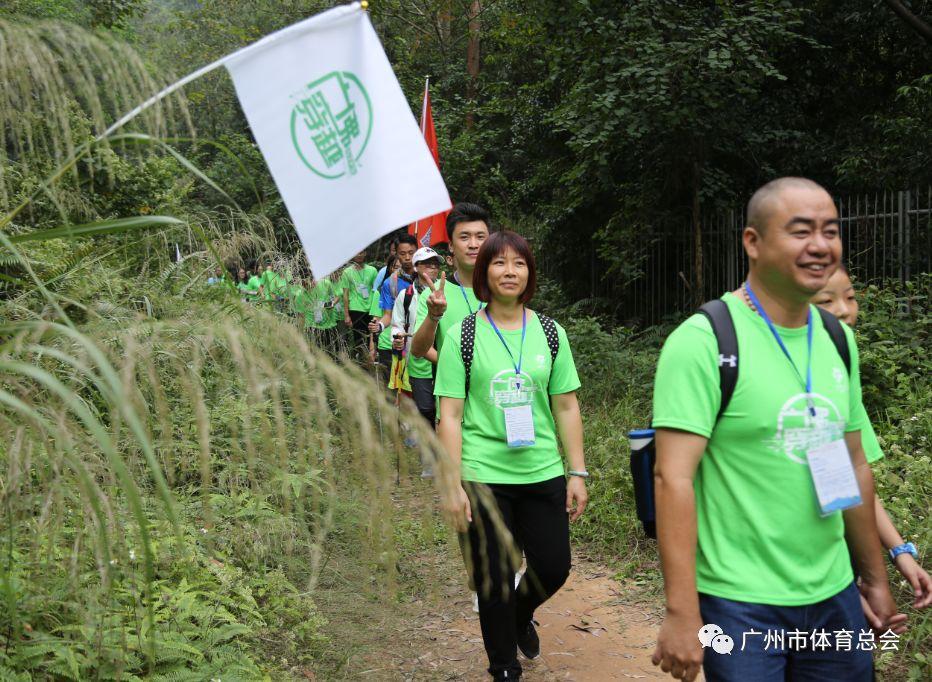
[[425, 253]]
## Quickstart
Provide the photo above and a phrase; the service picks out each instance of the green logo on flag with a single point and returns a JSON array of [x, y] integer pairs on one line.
[[331, 124]]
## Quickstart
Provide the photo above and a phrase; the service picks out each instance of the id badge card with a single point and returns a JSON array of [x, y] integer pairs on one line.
[[319, 313], [362, 290], [519, 426], [833, 475]]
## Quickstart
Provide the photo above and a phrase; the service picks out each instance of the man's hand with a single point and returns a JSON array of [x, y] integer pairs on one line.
[[374, 326], [458, 510], [437, 301], [398, 343], [917, 577], [897, 623], [679, 651], [576, 497], [347, 320], [878, 598]]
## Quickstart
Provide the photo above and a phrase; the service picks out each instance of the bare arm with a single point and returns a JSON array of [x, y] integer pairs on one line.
[[566, 414], [569, 425], [889, 536], [423, 340], [450, 433], [678, 455], [862, 538]]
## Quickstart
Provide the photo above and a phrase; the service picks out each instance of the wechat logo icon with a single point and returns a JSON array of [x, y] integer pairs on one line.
[[711, 635]]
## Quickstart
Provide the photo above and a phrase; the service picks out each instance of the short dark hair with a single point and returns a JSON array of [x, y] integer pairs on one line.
[[497, 243], [406, 239], [466, 212]]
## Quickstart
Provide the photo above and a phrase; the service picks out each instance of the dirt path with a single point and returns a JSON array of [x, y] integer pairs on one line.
[[595, 628]]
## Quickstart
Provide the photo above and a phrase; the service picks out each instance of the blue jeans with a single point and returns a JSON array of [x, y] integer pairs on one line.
[[798, 657]]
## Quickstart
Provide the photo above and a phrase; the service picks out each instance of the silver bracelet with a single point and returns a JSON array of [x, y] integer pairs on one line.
[[581, 474]]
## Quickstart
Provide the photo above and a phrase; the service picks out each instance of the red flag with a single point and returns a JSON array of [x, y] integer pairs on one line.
[[432, 230]]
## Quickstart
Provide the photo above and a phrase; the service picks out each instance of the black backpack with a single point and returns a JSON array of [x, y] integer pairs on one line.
[[723, 327], [468, 342]]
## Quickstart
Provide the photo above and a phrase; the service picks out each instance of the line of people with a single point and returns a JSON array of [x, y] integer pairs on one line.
[[767, 517]]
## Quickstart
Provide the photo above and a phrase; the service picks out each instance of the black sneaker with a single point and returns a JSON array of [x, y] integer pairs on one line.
[[528, 641]]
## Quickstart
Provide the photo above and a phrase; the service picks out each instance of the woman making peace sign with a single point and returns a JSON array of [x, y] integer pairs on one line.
[[507, 385]]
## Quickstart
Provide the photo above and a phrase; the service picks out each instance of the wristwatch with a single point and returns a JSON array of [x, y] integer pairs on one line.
[[905, 548]]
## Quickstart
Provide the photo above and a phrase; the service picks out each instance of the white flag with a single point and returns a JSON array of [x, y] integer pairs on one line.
[[337, 133]]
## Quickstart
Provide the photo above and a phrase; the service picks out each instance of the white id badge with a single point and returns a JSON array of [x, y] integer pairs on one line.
[[519, 426], [833, 475], [363, 290], [319, 313]]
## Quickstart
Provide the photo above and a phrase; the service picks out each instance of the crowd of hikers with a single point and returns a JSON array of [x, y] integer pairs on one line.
[[770, 533]]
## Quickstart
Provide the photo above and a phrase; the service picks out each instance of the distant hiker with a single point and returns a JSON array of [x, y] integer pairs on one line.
[[838, 297], [750, 530], [356, 283], [383, 304], [507, 386], [419, 371], [427, 264]]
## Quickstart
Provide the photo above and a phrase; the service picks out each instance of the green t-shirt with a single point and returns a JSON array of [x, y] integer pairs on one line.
[[253, 285], [761, 538], [461, 301], [318, 315], [486, 455], [274, 285], [872, 449], [359, 281]]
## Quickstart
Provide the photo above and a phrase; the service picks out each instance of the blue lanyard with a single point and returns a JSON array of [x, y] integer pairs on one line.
[[466, 298], [776, 335], [505, 344]]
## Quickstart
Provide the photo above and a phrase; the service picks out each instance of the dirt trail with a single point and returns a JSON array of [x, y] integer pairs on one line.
[[595, 628]]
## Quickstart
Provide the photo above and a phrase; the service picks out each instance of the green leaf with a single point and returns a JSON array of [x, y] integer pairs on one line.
[[97, 228]]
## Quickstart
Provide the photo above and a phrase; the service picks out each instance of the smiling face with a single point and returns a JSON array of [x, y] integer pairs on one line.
[[430, 268], [465, 241], [508, 275], [797, 247], [837, 297]]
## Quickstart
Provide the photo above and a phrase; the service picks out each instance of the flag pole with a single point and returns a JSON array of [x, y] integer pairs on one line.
[[263, 42], [417, 223]]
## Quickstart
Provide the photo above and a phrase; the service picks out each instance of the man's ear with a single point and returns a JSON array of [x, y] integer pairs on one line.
[[751, 239]]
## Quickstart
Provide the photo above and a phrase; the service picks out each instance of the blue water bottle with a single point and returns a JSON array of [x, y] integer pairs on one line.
[[643, 457]]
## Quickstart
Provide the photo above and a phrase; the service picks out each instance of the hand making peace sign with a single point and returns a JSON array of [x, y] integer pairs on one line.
[[437, 301]]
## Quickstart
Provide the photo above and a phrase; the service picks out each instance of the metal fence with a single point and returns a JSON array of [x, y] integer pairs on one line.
[[885, 235]]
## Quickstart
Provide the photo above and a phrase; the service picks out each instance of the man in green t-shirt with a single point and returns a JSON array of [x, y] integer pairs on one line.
[[356, 284], [468, 228], [746, 544]]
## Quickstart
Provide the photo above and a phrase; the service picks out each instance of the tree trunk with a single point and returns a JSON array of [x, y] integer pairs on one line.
[[472, 59], [911, 20]]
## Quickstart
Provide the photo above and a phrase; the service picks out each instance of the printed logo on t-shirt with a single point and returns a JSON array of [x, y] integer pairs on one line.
[[508, 390], [798, 431], [841, 379]]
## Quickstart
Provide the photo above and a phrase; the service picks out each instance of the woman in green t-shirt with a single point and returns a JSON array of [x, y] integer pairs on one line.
[[499, 422], [838, 298]]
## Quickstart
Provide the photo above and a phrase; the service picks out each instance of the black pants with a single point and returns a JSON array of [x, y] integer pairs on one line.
[[422, 390], [535, 515], [359, 337]]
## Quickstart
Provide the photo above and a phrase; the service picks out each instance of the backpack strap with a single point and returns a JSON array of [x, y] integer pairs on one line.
[[553, 338], [837, 334], [409, 294], [724, 329], [468, 345]]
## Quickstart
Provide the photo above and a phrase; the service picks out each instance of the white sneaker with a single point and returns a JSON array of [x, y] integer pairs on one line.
[[475, 602]]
